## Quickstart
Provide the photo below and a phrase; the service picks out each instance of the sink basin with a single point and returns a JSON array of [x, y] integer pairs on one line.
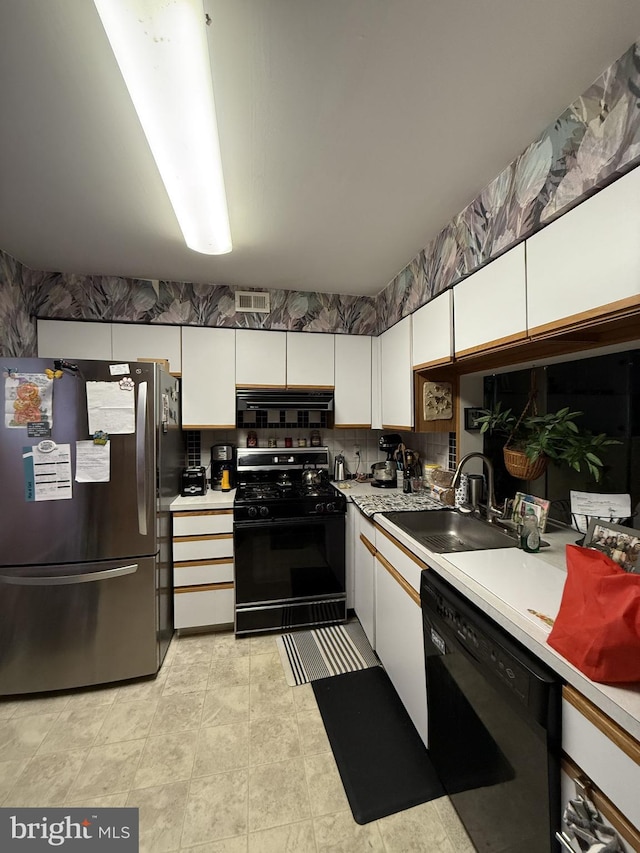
[[447, 531]]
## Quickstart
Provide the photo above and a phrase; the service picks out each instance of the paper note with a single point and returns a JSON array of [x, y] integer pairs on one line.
[[47, 471], [28, 399], [110, 408], [93, 462], [612, 507]]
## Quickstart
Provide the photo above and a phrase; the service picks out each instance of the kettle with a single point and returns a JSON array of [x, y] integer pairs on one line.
[[339, 469]]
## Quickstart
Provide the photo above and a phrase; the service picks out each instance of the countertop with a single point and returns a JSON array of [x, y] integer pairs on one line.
[[211, 500], [505, 583]]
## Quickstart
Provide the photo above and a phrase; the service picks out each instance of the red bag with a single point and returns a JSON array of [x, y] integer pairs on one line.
[[598, 626]]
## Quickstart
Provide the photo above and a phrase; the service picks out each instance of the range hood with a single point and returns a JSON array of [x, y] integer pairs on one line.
[[251, 399]]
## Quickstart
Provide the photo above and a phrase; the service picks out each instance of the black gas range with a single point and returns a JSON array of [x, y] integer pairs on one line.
[[289, 541]]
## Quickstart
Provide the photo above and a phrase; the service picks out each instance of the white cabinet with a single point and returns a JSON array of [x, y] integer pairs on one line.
[[587, 262], [352, 395], [74, 339], [399, 640], [607, 754], [261, 359], [432, 332], [396, 376], [203, 568], [352, 530], [490, 305], [364, 577], [208, 378], [376, 380], [310, 360], [133, 341]]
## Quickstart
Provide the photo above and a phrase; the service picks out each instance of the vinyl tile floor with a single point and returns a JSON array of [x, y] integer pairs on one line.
[[218, 753]]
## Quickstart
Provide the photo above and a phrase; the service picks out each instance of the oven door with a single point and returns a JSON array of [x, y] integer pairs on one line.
[[286, 570]]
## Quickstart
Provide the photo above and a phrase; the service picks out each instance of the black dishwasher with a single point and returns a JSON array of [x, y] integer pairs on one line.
[[494, 721]]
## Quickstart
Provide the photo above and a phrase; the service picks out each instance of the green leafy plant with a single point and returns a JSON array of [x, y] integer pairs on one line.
[[554, 435]]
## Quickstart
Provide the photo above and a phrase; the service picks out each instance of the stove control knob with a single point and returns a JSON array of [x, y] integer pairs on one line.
[[264, 511], [252, 511], [319, 507], [331, 507]]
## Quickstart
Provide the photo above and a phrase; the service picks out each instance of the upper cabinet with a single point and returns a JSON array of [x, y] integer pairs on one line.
[[261, 359], [74, 339], [133, 341], [490, 305], [396, 377], [110, 341], [432, 333], [587, 262], [208, 377], [352, 396], [310, 360]]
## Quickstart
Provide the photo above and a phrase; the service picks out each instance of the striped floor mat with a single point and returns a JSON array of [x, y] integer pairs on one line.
[[309, 655]]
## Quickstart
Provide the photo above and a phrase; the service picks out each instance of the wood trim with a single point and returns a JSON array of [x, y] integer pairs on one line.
[[252, 387], [204, 538], [198, 513], [618, 821], [398, 427], [352, 426], [497, 342], [436, 362], [311, 387], [617, 735], [213, 561], [620, 306], [402, 547], [206, 587], [209, 426], [395, 574], [370, 548]]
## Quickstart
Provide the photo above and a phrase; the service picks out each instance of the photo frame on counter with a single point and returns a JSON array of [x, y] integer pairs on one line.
[[522, 503], [621, 544]]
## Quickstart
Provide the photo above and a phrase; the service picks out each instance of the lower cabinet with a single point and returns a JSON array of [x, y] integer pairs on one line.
[[364, 576], [604, 760], [398, 630], [203, 593]]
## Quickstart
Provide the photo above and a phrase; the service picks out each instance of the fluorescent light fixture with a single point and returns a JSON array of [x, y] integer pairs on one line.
[[161, 48]]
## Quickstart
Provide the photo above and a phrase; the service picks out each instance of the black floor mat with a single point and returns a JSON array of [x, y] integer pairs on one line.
[[384, 765]]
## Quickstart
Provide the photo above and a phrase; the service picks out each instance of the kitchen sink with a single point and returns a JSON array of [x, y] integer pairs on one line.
[[447, 531]]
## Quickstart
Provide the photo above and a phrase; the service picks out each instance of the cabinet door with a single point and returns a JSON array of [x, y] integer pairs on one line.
[[364, 586], [208, 378], [352, 396], [399, 643], [376, 383], [397, 376], [74, 339], [261, 359], [490, 305], [132, 341], [310, 360], [432, 332], [587, 262]]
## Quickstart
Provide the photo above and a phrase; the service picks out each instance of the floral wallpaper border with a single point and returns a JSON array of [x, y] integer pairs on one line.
[[595, 140]]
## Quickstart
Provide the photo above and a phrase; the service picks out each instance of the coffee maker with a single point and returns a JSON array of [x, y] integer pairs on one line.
[[223, 458], [383, 474]]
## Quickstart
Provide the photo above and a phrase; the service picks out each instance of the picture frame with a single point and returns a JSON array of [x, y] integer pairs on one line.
[[521, 505], [621, 544], [470, 415]]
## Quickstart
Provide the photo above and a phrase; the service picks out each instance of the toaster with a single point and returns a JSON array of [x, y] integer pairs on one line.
[[194, 481]]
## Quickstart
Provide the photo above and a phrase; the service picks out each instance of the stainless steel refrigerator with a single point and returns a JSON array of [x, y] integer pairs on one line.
[[90, 460]]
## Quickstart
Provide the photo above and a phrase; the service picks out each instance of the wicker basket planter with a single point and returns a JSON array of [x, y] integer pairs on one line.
[[519, 465]]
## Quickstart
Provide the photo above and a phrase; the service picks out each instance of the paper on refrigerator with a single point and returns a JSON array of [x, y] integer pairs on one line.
[[93, 462], [28, 399], [47, 471], [110, 408]]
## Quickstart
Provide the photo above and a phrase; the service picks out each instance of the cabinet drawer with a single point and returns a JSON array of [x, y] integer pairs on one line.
[[197, 607], [202, 547], [604, 751], [202, 571], [406, 564], [202, 523]]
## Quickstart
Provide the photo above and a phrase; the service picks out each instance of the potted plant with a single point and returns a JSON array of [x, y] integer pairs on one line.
[[533, 440]]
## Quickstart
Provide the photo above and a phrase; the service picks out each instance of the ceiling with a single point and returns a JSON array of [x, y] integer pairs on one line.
[[351, 131]]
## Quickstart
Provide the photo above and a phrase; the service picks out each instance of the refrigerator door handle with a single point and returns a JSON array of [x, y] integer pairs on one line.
[[141, 460], [57, 580]]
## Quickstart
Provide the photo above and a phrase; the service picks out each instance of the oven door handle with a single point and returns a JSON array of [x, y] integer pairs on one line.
[[281, 522]]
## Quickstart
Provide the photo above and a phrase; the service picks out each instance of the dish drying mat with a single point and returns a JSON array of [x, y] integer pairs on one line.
[[322, 652], [399, 502]]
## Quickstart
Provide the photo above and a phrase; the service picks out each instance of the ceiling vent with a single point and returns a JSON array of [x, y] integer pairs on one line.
[[250, 300]]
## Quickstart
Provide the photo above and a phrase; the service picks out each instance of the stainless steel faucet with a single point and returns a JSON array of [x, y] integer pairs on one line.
[[492, 510]]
